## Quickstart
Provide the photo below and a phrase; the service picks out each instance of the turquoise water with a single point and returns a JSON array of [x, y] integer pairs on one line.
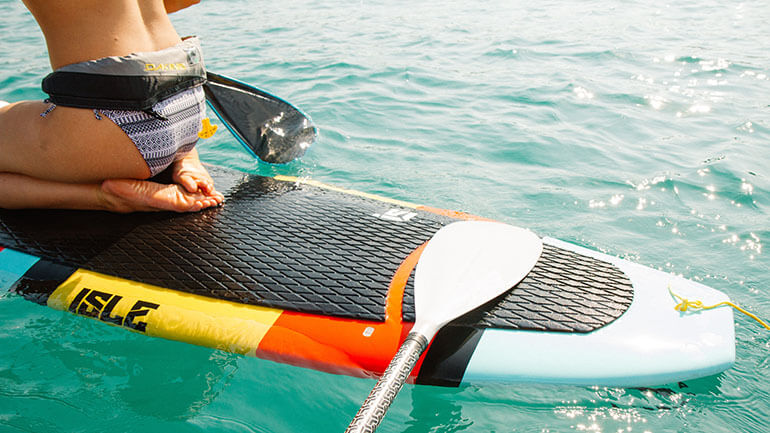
[[636, 129]]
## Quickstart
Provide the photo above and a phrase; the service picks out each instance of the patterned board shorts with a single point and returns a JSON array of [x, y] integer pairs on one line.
[[161, 142]]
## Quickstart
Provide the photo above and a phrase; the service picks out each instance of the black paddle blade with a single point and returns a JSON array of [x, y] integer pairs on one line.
[[269, 127]]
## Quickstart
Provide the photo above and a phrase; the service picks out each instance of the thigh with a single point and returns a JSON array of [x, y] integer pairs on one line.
[[67, 145]]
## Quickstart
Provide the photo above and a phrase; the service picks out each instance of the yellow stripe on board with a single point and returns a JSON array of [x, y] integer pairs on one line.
[[311, 182], [164, 313]]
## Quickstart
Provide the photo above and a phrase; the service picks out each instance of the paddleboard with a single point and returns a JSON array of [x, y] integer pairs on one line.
[[321, 277]]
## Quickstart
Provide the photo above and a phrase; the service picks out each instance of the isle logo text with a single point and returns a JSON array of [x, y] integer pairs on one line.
[[100, 305]]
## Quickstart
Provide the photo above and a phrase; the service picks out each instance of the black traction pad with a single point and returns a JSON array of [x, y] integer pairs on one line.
[[565, 291], [304, 248]]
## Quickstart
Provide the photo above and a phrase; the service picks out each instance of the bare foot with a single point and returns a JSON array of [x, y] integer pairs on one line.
[[190, 173], [129, 195], [192, 190]]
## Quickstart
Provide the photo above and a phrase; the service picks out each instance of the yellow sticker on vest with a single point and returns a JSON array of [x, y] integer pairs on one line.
[[207, 129]]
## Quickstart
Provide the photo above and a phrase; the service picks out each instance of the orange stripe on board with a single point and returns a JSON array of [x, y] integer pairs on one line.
[[343, 346], [453, 214]]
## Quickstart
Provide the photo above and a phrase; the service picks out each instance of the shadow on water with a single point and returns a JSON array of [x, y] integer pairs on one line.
[[84, 367], [535, 407]]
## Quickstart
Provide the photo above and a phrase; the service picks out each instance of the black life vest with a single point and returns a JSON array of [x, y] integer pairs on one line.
[[133, 82]]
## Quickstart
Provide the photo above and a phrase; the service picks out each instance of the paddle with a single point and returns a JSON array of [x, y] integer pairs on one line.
[[465, 265], [270, 128]]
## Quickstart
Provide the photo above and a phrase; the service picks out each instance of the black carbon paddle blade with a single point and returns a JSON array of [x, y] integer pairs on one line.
[[270, 128]]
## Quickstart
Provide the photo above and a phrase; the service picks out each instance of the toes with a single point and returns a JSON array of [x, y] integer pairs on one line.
[[189, 183]]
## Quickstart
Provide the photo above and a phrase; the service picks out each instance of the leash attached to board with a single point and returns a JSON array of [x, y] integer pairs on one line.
[[465, 265], [687, 305]]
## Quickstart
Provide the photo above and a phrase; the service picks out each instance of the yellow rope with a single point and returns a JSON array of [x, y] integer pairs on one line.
[[686, 304]]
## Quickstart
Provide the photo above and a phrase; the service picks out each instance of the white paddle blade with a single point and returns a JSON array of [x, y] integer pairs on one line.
[[467, 264], [464, 265]]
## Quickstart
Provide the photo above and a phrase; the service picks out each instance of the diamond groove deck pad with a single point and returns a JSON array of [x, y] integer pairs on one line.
[[309, 249]]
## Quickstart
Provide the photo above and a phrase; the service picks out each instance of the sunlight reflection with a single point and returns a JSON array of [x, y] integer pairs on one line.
[[748, 127], [746, 187], [656, 102], [699, 108], [583, 93]]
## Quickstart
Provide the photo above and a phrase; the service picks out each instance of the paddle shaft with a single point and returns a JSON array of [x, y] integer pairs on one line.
[[373, 410], [464, 265]]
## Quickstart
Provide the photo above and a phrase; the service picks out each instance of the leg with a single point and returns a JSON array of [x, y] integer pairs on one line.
[[60, 161], [68, 145], [18, 191]]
